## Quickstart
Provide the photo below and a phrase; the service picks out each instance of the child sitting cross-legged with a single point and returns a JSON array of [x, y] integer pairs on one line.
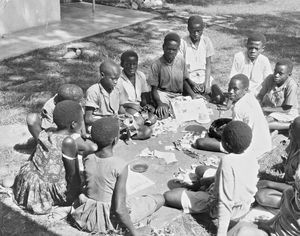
[[233, 191], [278, 96], [41, 182], [103, 207], [135, 94], [269, 192]]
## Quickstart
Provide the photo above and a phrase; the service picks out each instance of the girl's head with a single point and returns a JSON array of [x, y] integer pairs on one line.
[[68, 114], [105, 132], [236, 137], [129, 62]]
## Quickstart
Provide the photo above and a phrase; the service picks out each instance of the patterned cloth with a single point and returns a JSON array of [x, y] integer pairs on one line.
[[274, 96], [41, 181]]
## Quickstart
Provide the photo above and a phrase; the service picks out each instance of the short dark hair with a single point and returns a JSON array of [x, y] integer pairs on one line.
[[70, 92], [243, 78], [65, 112], [196, 19], [256, 36], [104, 131], [172, 37], [236, 137], [125, 55], [286, 62]]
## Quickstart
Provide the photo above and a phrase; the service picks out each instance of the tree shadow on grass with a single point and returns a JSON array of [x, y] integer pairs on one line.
[[31, 79], [211, 2], [13, 222], [283, 34]]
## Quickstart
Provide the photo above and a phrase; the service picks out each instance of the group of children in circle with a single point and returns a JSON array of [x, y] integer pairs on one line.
[[67, 137]]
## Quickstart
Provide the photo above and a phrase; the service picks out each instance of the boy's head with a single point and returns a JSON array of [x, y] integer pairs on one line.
[[129, 62], [255, 45], [69, 92], [105, 132], [171, 46], [238, 87], [68, 114], [195, 28], [236, 137], [283, 69], [109, 74]]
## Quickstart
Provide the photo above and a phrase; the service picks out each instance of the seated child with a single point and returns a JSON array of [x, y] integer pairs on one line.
[[252, 63], [103, 206], [134, 90], [278, 96], [41, 182], [102, 98], [233, 191], [44, 121], [197, 50], [247, 109], [286, 222], [169, 76], [269, 192]]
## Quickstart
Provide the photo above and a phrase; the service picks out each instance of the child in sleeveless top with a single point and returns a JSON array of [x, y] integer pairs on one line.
[[102, 207], [41, 182]]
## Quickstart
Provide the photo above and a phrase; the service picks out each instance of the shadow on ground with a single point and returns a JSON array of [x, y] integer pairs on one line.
[[14, 223]]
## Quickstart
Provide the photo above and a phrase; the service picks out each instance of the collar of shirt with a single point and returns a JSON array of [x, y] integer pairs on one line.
[[164, 61], [248, 59], [189, 41], [282, 87], [103, 91]]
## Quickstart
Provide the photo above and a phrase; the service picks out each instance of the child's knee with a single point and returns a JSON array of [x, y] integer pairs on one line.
[[33, 119], [173, 198], [261, 197]]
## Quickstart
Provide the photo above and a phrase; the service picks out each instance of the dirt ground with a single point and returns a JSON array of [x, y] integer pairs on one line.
[[27, 81]]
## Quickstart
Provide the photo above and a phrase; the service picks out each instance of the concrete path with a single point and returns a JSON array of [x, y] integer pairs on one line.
[[77, 22]]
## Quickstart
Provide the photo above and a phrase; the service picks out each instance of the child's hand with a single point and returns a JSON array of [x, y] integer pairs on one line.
[[162, 110], [149, 108]]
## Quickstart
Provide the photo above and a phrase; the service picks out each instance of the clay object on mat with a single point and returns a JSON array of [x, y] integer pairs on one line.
[[140, 167]]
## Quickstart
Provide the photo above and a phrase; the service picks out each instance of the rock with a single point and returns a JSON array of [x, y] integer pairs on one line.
[[153, 3]]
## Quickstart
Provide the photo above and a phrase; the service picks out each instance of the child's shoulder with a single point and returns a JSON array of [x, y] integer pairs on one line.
[[291, 82]]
